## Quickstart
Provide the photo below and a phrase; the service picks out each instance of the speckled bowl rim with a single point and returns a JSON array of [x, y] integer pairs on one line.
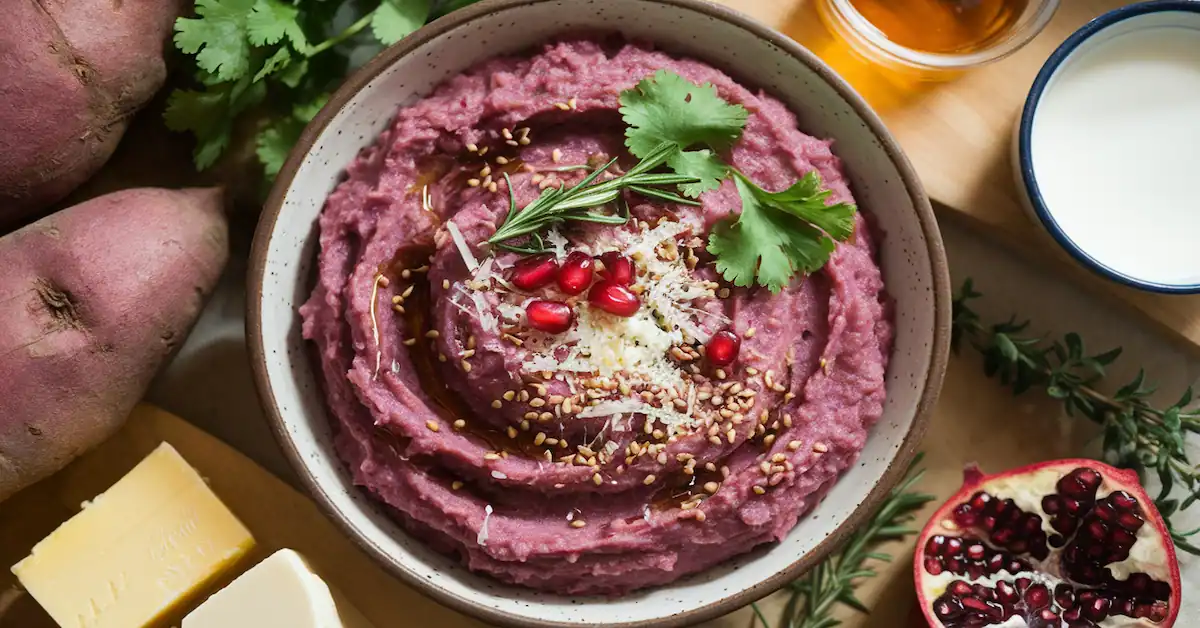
[[939, 350], [1025, 141]]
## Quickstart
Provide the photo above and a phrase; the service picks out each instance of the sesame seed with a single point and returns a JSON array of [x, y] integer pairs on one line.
[[508, 395], [511, 431], [433, 333], [551, 441], [408, 342], [597, 480], [472, 148], [787, 420], [441, 357], [471, 341], [749, 333], [459, 424], [537, 178], [572, 103], [720, 373], [555, 399], [556, 155], [524, 425], [578, 523], [546, 416], [405, 274], [468, 353], [750, 370], [483, 151], [432, 425], [723, 293], [657, 434], [523, 396], [662, 458], [769, 440], [716, 440], [699, 516], [567, 407], [531, 416], [731, 435], [758, 490], [473, 182], [775, 479], [711, 487], [466, 366], [537, 402], [820, 448], [506, 133], [524, 141], [548, 456], [778, 458], [563, 106], [491, 456], [512, 142], [399, 309], [445, 284], [539, 439], [794, 445], [492, 187]]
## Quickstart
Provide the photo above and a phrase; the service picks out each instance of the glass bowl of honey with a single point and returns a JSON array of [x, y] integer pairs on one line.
[[936, 36]]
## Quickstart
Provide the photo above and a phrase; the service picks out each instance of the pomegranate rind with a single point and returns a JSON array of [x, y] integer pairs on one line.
[[1114, 479]]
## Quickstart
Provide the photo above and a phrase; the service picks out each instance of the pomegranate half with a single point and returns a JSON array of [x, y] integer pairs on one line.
[[1063, 544]]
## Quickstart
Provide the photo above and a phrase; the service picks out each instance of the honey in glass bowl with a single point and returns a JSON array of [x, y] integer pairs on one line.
[[936, 36]]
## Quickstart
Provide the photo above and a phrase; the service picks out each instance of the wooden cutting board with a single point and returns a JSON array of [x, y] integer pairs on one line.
[[958, 133], [276, 514]]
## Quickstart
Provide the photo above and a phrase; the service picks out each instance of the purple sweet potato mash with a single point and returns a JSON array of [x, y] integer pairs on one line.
[[613, 456]]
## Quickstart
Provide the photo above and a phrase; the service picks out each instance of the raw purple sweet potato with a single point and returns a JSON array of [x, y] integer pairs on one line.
[[93, 299], [72, 73]]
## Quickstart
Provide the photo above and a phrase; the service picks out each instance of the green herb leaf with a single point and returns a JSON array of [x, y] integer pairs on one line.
[[764, 245], [396, 19], [669, 108], [271, 21], [806, 201], [276, 62], [702, 164], [218, 37]]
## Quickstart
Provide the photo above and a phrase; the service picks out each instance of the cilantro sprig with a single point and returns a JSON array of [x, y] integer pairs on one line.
[[777, 234], [269, 66]]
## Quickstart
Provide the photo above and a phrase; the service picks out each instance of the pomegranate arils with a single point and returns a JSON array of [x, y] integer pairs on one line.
[[552, 317], [617, 268], [532, 273], [614, 298], [986, 540], [576, 273], [722, 349]]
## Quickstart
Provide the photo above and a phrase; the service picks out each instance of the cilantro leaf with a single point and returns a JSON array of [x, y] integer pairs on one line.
[[765, 246], [701, 164], [271, 21], [806, 201], [275, 142], [209, 115], [217, 37], [395, 19], [668, 108], [275, 63]]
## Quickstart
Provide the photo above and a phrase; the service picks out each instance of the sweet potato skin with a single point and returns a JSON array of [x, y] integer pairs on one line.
[[72, 74], [93, 299]]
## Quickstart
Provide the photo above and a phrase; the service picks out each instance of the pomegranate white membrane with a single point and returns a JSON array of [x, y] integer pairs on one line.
[[1115, 147]]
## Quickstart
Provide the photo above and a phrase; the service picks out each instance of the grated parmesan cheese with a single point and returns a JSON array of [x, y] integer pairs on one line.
[[461, 243], [558, 242]]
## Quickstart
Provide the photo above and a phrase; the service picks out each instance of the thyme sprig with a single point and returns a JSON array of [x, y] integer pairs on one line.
[[558, 205], [832, 582], [1137, 435]]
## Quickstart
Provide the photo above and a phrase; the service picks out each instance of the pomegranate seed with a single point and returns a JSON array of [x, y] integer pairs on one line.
[[552, 317], [576, 273], [614, 298], [617, 268], [534, 272], [722, 348]]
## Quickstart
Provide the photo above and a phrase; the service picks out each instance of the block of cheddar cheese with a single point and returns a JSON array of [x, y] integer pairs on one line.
[[138, 551]]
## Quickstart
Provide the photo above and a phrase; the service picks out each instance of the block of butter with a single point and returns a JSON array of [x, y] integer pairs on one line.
[[137, 551], [280, 592]]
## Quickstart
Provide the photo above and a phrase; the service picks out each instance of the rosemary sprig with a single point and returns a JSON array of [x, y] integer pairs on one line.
[[1137, 435], [558, 205], [832, 582]]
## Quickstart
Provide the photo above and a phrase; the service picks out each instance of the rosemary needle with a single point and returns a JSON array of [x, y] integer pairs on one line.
[[561, 204]]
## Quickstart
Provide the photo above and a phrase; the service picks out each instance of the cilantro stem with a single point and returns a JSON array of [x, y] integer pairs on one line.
[[350, 31]]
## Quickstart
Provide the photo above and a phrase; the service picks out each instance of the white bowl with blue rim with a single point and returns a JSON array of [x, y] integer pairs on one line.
[[1108, 146]]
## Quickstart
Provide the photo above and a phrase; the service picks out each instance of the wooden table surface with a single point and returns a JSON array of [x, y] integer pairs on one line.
[[958, 134]]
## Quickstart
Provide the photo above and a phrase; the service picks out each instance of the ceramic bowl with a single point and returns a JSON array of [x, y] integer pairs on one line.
[[883, 182], [1141, 110]]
